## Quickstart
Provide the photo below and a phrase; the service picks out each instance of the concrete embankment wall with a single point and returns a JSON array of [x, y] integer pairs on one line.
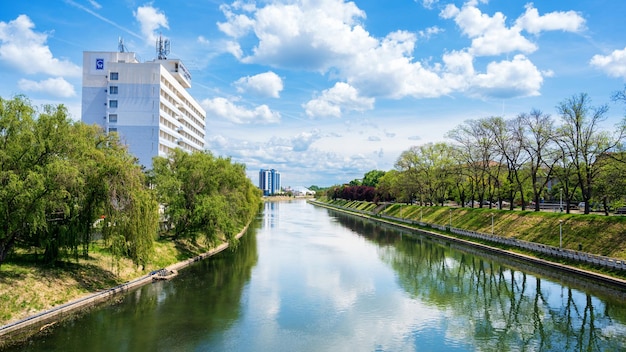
[[22, 329]]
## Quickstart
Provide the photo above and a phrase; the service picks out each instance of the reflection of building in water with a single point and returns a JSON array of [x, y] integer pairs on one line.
[[270, 214], [269, 181]]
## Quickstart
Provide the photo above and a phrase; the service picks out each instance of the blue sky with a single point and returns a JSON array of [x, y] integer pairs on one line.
[[324, 91]]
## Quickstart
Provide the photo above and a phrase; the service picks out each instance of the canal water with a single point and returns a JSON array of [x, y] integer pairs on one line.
[[306, 278]]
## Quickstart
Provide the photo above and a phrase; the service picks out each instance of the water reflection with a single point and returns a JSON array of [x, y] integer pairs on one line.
[[309, 279], [496, 307], [178, 315]]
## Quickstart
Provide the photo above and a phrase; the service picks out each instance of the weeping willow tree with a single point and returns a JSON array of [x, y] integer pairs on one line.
[[129, 209], [204, 196], [58, 177]]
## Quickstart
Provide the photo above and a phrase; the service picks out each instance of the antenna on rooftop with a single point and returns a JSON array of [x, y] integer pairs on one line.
[[120, 45], [162, 48]]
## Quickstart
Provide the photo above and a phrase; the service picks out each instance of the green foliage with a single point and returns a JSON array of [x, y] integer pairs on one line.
[[57, 177], [371, 178], [204, 196]]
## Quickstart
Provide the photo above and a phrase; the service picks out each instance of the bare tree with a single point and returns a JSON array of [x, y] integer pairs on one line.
[[507, 137], [477, 148], [538, 142], [582, 140]]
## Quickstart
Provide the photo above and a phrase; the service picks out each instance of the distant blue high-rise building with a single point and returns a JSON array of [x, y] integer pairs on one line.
[[269, 181]]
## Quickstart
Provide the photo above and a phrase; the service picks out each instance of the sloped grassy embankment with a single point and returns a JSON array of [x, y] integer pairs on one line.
[[595, 234], [27, 287]]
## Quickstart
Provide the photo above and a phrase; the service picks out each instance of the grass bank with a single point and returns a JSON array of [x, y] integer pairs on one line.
[[27, 287], [594, 234]]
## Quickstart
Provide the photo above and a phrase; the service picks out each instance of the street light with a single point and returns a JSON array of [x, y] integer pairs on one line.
[[491, 224], [561, 199], [421, 214], [560, 234], [450, 210]]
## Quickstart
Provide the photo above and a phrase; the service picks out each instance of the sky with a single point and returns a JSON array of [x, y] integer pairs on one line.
[[324, 91]]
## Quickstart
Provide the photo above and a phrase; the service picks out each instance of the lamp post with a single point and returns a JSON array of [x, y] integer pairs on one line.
[[561, 199], [560, 234], [450, 211], [491, 224], [421, 214]]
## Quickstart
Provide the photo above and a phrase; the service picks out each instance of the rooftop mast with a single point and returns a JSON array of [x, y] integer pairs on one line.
[[120, 45], [162, 48]]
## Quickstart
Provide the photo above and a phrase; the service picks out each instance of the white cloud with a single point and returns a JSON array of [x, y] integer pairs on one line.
[[202, 40], [150, 19], [613, 64], [332, 102], [532, 22], [295, 158], [95, 4], [313, 35], [429, 3], [57, 87], [234, 49], [226, 109], [430, 32], [489, 34], [266, 84], [236, 26], [328, 37], [26, 50], [299, 143], [496, 82]]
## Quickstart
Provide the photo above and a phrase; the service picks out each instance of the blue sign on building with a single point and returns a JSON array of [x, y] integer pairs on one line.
[[99, 64]]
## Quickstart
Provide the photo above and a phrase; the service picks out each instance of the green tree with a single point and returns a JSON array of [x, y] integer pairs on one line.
[[611, 183], [204, 196], [372, 177], [58, 177], [583, 142], [429, 166]]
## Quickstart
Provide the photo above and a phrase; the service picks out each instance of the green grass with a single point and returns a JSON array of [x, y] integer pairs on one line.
[[596, 234], [27, 286]]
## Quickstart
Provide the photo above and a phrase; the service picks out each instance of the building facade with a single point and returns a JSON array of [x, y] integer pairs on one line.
[[269, 181], [147, 103]]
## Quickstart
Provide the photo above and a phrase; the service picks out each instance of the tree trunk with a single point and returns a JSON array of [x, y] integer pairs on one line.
[[5, 248]]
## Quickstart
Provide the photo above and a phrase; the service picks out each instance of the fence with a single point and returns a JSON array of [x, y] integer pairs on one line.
[[598, 260]]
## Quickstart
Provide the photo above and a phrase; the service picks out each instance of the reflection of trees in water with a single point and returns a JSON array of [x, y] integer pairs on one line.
[[165, 316], [370, 230], [503, 309]]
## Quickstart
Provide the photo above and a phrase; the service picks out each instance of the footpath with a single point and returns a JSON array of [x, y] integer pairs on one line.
[[559, 253], [20, 330]]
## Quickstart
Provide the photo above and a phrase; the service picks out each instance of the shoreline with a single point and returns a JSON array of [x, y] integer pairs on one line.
[[22, 329], [598, 277], [284, 198]]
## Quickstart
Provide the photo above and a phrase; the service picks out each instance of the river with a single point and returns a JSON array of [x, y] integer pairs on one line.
[[306, 278]]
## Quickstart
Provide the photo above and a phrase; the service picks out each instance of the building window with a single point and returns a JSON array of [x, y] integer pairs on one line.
[[112, 117], [112, 103], [113, 90], [114, 76], [112, 129]]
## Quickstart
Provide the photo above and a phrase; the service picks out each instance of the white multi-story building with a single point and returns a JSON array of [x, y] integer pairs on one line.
[[146, 103]]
